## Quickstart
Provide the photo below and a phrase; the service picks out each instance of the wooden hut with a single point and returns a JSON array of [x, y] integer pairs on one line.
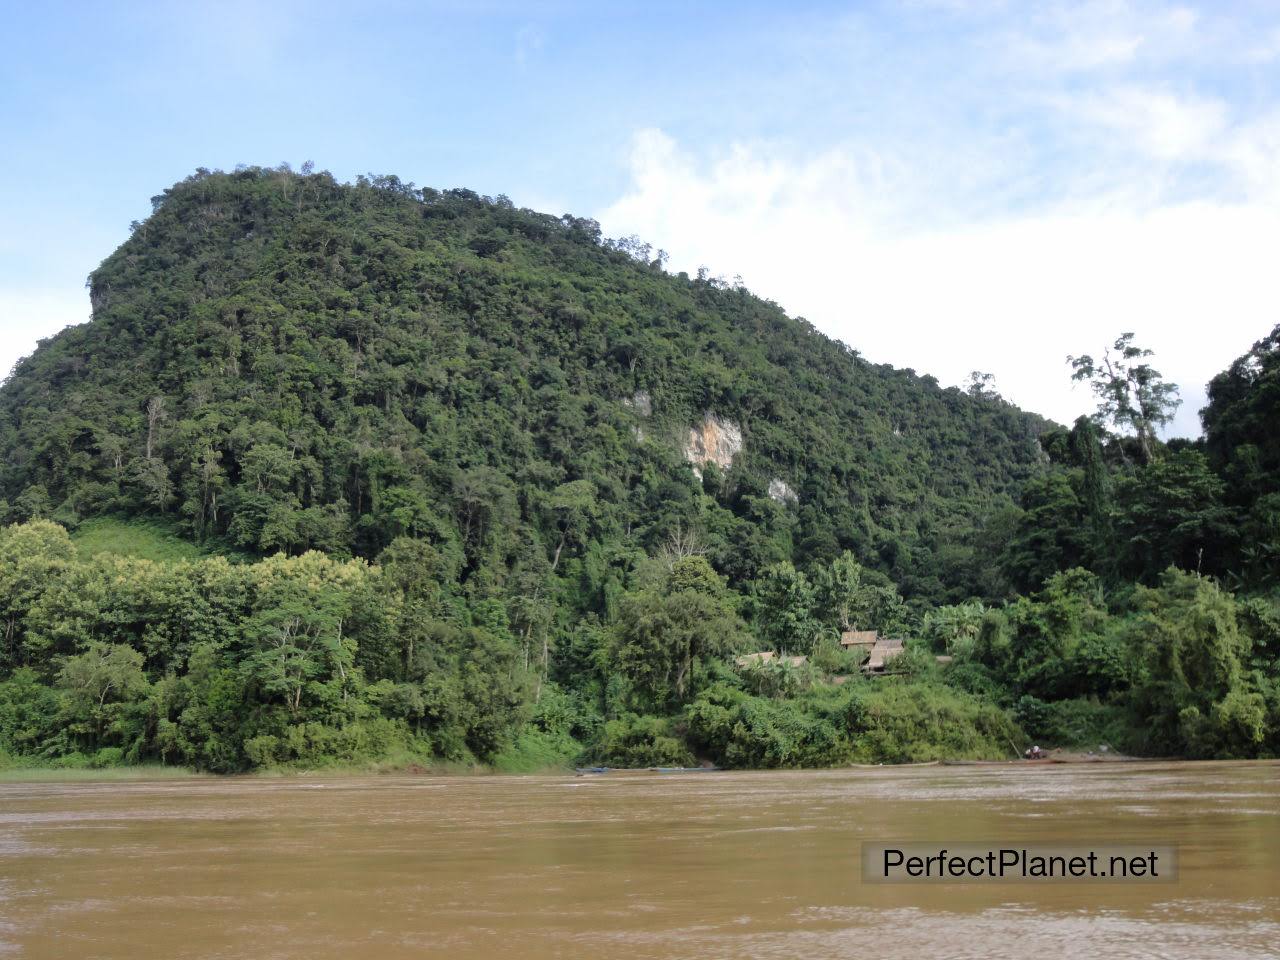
[[859, 639], [884, 650]]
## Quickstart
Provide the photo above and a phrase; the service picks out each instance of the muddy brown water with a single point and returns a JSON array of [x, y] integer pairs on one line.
[[695, 865]]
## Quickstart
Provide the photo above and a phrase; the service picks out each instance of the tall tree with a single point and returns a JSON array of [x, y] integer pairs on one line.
[[1132, 395], [1095, 490]]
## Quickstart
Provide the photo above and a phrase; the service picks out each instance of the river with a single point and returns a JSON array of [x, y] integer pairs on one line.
[[695, 865]]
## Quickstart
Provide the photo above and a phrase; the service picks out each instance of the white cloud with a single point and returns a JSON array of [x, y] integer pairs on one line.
[[1252, 152], [1079, 36], [1010, 296], [1164, 126], [1262, 49]]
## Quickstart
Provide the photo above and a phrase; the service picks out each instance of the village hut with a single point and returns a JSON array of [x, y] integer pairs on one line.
[[859, 639], [884, 650]]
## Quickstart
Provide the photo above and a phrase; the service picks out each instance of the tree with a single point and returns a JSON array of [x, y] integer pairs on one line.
[[98, 679], [1095, 490], [1050, 535], [982, 386], [1131, 395], [413, 579], [851, 597], [785, 603], [954, 629], [206, 483], [574, 507], [32, 557], [153, 478], [156, 413], [1244, 449], [665, 635], [1171, 513], [296, 629], [485, 502], [1196, 695], [841, 592]]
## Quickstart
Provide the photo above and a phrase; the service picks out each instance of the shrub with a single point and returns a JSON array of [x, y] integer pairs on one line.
[[639, 741]]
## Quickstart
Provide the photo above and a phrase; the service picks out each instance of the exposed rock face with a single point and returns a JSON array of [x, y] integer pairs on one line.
[[640, 402], [781, 491], [713, 441]]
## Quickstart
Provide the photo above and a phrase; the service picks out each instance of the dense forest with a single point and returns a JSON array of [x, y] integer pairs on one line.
[[361, 473]]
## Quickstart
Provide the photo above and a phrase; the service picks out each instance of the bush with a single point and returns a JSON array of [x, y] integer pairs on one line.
[[107, 757], [913, 722], [978, 681], [1082, 723], [740, 730], [636, 741], [536, 750], [262, 750]]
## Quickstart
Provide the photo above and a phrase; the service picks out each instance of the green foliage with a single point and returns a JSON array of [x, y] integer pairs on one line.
[[148, 540], [913, 722], [741, 730], [1172, 513], [1080, 724], [1131, 394], [1196, 693], [287, 363], [642, 741], [1241, 442], [785, 602], [882, 723], [29, 710], [535, 751], [666, 636], [1050, 533], [222, 666], [442, 440], [32, 556], [953, 630]]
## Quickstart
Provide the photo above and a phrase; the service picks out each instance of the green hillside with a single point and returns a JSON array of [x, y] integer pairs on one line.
[[365, 474], [291, 363]]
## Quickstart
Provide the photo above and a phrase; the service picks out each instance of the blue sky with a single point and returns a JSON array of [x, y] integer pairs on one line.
[[945, 185]]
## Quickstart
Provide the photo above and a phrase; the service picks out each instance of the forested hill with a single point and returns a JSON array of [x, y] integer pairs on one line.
[[369, 474], [279, 362]]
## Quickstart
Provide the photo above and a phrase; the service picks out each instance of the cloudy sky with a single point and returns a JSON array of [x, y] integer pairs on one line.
[[948, 185]]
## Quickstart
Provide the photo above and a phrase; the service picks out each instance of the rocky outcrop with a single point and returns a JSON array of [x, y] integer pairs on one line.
[[781, 491], [640, 402], [713, 441]]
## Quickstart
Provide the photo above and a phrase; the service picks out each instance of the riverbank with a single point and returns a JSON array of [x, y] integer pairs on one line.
[[21, 772], [33, 774]]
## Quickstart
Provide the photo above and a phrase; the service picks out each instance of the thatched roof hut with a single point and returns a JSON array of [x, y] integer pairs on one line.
[[860, 639], [884, 650]]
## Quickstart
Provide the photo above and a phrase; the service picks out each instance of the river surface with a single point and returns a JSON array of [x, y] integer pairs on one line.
[[697, 865]]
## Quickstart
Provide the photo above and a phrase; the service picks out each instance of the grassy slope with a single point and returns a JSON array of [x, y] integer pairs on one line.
[[146, 539]]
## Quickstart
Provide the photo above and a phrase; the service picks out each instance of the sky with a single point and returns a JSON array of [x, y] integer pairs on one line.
[[945, 185]]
